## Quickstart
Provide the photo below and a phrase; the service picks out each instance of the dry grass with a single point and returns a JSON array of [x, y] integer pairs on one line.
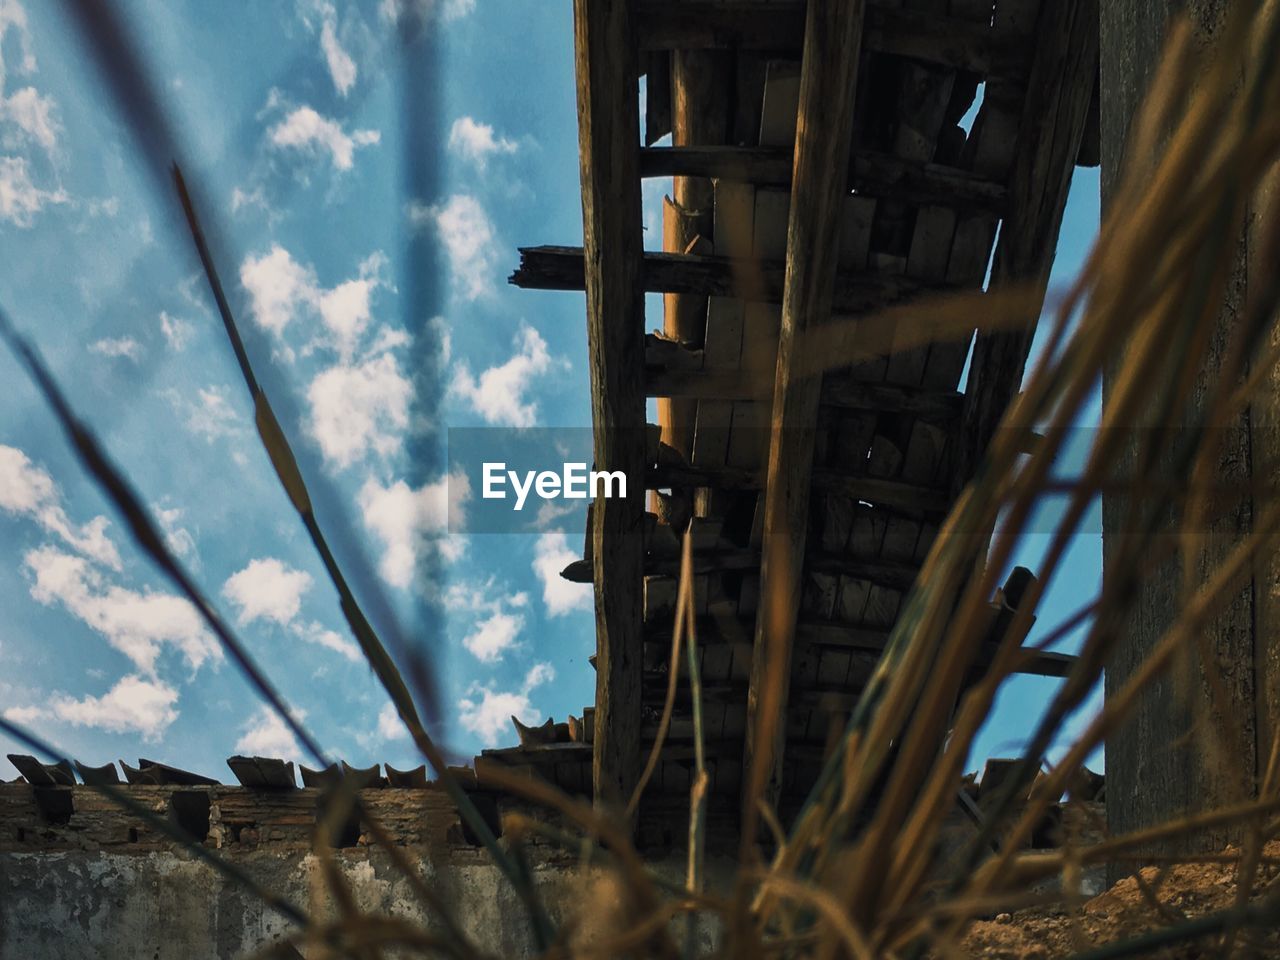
[[856, 876]]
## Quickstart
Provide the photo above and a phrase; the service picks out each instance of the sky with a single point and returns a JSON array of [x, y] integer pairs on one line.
[[340, 266]]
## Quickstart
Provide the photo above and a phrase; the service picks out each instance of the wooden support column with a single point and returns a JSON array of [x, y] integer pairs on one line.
[[609, 145], [1053, 124], [832, 43], [700, 81]]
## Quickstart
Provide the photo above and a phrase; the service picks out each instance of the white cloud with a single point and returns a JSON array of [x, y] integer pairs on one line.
[[493, 636], [136, 623], [358, 409], [27, 716], [29, 490], [33, 114], [267, 589], [305, 129], [552, 554], [177, 332], [267, 735], [487, 713], [476, 142], [499, 393], [390, 726], [468, 237], [20, 198], [424, 11], [14, 17], [211, 417], [330, 640], [278, 285], [407, 521], [117, 347], [281, 289], [177, 536], [342, 69], [133, 705]]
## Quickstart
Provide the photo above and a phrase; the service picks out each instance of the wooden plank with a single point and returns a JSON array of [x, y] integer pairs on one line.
[[562, 268], [608, 140], [657, 85], [872, 173], [829, 73], [778, 26], [1053, 122], [886, 492]]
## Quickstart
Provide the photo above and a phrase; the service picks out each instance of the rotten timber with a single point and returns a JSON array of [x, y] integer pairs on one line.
[[829, 73], [564, 268], [609, 137]]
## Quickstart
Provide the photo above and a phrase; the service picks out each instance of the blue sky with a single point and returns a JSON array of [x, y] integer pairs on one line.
[[291, 110]]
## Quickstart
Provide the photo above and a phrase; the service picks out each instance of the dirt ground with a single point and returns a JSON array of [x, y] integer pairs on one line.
[[1183, 892]]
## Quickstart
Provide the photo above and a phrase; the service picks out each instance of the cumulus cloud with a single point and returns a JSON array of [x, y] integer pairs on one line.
[[278, 285], [390, 726], [551, 554], [359, 409], [468, 237], [267, 735], [281, 290], [407, 521], [136, 623], [117, 347], [28, 490], [306, 130], [20, 198], [267, 589], [135, 705], [487, 712], [476, 142], [494, 636], [499, 394]]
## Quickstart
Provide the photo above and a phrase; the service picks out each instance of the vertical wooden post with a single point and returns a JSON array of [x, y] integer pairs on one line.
[[609, 144], [829, 71]]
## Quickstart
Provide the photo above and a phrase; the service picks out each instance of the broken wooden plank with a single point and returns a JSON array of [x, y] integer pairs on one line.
[[563, 268], [829, 72], [612, 266]]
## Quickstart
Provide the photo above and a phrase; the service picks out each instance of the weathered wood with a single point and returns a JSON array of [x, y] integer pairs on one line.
[[872, 174], [838, 390], [563, 268], [777, 26], [1053, 122], [608, 138], [829, 72]]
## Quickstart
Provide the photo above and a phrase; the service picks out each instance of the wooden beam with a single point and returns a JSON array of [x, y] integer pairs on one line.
[[562, 268], [777, 26], [871, 173], [1053, 123], [838, 391], [609, 142], [824, 130], [895, 494]]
